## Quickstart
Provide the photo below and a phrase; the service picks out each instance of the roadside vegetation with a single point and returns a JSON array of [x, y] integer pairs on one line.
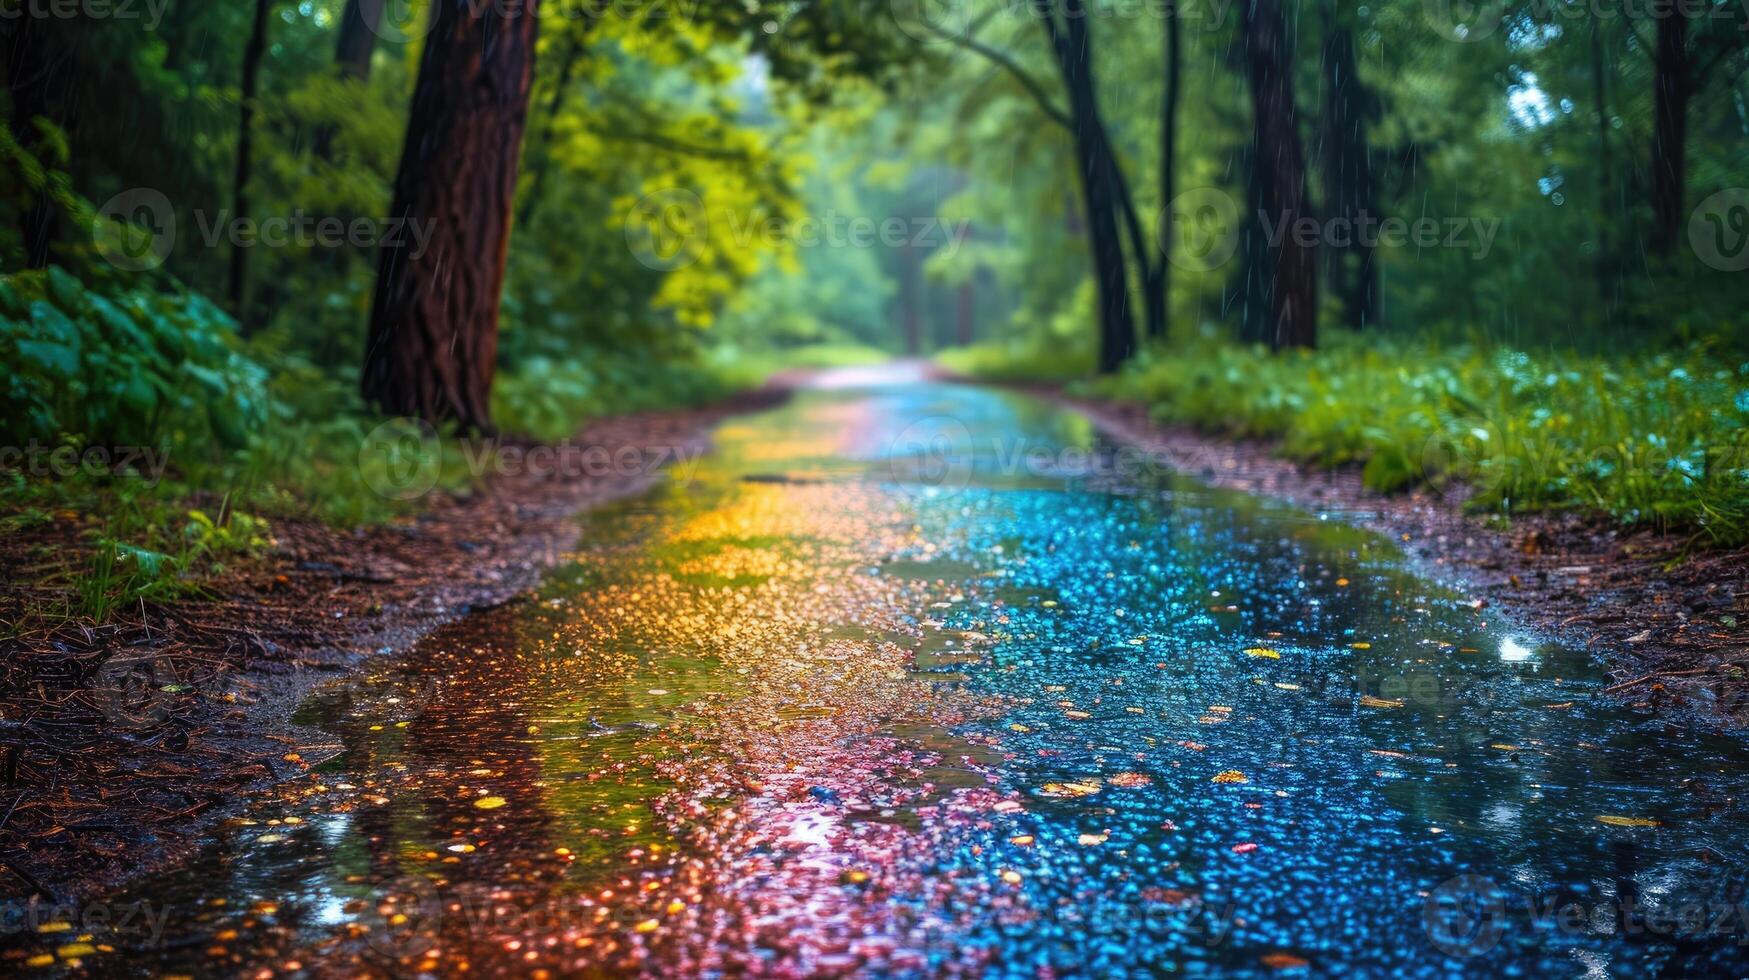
[[1657, 438]]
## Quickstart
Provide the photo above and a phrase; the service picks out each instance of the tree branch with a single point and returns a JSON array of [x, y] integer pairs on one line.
[[1008, 64]]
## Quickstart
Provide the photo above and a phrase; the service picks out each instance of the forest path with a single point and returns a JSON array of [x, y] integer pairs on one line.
[[913, 676]]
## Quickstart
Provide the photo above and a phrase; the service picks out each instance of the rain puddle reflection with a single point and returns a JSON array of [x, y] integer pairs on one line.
[[924, 679]]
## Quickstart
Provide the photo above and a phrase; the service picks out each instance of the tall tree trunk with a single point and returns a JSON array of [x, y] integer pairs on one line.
[[910, 298], [252, 55], [965, 318], [1153, 285], [36, 68], [1281, 172], [1097, 172], [359, 24], [1669, 124], [434, 321], [1604, 265], [1350, 180], [1169, 156]]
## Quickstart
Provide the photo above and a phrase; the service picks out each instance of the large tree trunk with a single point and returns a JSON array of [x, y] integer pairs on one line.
[[1098, 173], [1350, 180], [37, 67], [1281, 172], [1672, 78], [253, 52], [1169, 158], [434, 321]]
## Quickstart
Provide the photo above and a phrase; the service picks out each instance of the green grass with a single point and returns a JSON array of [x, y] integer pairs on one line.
[[1019, 361], [225, 437], [1656, 439]]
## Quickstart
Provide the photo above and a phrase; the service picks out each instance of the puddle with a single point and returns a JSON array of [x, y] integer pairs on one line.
[[921, 679]]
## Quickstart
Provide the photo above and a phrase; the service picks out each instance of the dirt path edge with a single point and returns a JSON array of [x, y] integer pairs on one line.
[[123, 746]]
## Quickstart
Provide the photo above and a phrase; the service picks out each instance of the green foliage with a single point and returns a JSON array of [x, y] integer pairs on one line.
[[1019, 362], [1660, 439], [137, 369]]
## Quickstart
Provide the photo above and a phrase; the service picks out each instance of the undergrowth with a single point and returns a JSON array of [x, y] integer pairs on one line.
[[146, 446], [1647, 439]]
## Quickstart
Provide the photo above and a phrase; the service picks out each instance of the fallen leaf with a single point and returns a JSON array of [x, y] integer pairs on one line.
[[490, 802], [1264, 652], [1069, 789], [1284, 961], [1615, 821], [1230, 776], [1368, 701]]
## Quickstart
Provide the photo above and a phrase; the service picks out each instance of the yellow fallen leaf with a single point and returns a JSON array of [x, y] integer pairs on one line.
[[1069, 789], [75, 950], [1264, 652], [648, 925], [56, 926], [1615, 821], [1230, 776], [490, 802], [1368, 701], [1090, 840]]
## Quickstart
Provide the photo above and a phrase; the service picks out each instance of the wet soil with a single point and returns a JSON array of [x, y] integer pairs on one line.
[[122, 745]]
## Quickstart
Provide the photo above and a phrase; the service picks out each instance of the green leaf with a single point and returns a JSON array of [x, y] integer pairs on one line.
[[54, 359]]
